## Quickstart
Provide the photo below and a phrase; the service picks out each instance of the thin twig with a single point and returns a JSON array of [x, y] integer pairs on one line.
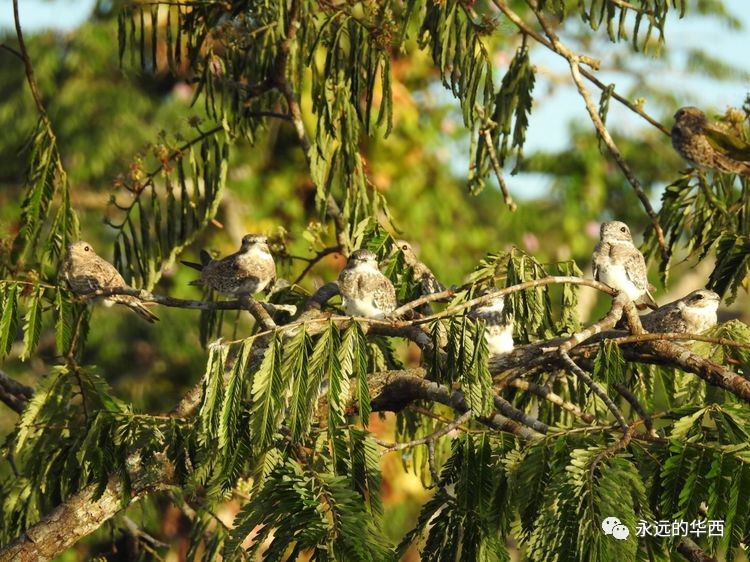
[[487, 124], [434, 436], [11, 50], [595, 388], [550, 396], [27, 63], [574, 62], [312, 261], [527, 31]]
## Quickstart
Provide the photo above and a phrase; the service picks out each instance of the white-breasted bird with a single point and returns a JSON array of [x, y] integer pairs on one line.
[[619, 264], [692, 314], [365, 291]]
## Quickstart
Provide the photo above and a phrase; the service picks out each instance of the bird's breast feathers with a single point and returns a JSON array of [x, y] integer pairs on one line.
[[698, 318]]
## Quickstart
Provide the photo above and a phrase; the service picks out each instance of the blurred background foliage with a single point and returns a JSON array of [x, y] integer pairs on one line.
[[110, 119]]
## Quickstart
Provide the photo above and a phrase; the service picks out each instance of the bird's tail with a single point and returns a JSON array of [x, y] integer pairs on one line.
[[139, 308], [646, 301], [192, 264]]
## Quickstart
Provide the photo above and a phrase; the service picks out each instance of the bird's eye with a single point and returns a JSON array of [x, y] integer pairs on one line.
[[86, 248], [404, 247], [623, 229], [699, 296]]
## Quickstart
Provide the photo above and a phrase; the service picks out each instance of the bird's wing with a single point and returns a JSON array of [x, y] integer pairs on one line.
[[596, 258], [109, 277], [384, 293], [634, 264], [724, 142], [664, 319]]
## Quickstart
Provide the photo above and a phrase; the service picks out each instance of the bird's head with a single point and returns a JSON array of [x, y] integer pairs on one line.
[[612, 231], [80, 250], [251, 241], [702, 299], [410, 257], [362, 258], [691, 119]]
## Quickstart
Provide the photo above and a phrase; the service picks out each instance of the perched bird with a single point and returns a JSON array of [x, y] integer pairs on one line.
[[619, 264], [249, 271], [692, 314], [365, 291], [498, 328], [706, 145], [86, 273], [429, 283]]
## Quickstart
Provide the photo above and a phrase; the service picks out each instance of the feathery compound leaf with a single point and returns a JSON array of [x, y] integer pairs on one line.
[[361, 373], [45, 176], [266, 395], [366, 478], [232, 403], [47, 393], [609, 363], [32, 327], [732, 267], [213, 386], [8, 318], [296, 365], [64, 318], [148, 241], [458, 52]]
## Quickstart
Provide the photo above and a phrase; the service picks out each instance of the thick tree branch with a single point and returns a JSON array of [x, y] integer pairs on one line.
[[82, 514]]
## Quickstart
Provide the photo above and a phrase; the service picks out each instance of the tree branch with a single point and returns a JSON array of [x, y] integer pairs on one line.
[[14, 394], [84, 512], [574, 61], [27, 63]]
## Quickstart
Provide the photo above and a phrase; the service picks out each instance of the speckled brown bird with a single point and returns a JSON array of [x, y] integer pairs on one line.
[[692, 314], [705, 145], [619, 264], [365, 291], [248, 271], [427, 280], [86, 272]]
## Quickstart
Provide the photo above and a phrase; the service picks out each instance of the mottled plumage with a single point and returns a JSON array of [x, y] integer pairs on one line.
[[429, 283], [692, 314], [365, 291], [498, 327], [619, 264], [705, 145], [86, 272], [249, 271]]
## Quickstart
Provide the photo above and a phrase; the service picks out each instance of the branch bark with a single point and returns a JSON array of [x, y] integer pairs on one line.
[[83, 513]]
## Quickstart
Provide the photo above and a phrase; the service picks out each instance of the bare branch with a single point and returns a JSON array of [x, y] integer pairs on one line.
[[432, 437], [574, 62], [27, 63], [544, 392]]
